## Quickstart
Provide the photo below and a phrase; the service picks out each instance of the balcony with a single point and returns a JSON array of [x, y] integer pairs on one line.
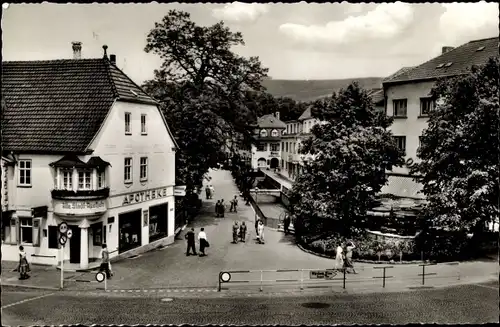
[[74, 206]]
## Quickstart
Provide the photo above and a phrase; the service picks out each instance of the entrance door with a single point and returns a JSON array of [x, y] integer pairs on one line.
[[74, 245]]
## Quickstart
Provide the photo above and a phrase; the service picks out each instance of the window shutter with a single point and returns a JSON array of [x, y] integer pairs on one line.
[[37, 224]]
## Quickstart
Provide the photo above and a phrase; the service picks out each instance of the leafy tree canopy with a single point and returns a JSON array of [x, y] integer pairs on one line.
[[460, 150], [351, 150]]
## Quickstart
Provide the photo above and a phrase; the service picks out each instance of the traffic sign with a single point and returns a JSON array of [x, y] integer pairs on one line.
[[322, 274], [225, 277], [63, 239], [100, 277], [69, 233], [63, 227]]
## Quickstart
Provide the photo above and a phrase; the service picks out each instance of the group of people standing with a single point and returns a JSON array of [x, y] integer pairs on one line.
[[220, 207], [239, 231], [202, 240], [209, 191], [343, 259]]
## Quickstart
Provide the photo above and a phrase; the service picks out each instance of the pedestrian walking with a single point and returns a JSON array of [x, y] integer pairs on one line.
[[190, 242], [105, 261], [257, 226], [207, 192], [235, 232], [234, 204], [261, 232], [243, 232], [212, 191], [348, 256], [286, 223], [23, 266], [217, 209], [202, 239], [339, 260], [222, 208]]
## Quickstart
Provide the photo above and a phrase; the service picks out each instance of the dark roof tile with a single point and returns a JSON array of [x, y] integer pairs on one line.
[[461, 59]]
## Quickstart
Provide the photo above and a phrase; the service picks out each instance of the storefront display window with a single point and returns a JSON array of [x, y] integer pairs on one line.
[[97, 234], [130, 228], [158, 222]]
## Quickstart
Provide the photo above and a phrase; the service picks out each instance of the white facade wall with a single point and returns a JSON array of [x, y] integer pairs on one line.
[[113, 146]]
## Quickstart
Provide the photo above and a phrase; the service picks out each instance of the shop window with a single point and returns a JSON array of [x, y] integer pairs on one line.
[[128, 128], [53, 237], [9, 235], [25, 172], [26, 230], [144, 169], [127, 171], [67, 179], [101, 181], [144, 131], [97, 233], [104, 234], [85, 180], [158, 222], [130, 230]]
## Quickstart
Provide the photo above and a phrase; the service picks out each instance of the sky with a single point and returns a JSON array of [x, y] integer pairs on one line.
[[295, 41]]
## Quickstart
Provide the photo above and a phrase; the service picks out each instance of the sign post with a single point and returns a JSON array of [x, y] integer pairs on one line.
[[62, 266], [66, 234]]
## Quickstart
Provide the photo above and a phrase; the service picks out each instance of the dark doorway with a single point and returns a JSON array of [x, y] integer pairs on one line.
[[74, 245], [275, 163]]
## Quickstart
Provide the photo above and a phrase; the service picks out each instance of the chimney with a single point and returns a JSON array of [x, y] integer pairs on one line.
[[446, 49], [77, 50], [277, 115], [105, 47], [112, 59]]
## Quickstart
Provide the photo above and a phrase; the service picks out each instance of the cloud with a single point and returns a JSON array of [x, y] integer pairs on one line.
[[464, 21], [384, 22], [240, 12]]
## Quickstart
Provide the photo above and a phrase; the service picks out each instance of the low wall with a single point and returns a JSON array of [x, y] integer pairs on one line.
[[388, 236]]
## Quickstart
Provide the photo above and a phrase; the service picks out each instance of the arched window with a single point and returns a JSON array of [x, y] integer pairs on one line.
[[274, 133], [263, 133]]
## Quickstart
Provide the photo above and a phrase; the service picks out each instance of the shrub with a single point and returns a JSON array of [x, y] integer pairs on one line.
[[442, 245]]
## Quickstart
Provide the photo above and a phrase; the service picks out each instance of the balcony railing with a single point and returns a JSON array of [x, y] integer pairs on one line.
[[94, 194]]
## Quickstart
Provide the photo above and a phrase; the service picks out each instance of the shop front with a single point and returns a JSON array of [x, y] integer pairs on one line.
[[130, 227], [158, 222]]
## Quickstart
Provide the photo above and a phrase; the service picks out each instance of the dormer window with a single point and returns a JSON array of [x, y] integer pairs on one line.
[[263, 133], [274, 133]]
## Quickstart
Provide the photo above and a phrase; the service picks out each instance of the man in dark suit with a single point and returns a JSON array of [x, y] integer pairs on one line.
[[190, 242]]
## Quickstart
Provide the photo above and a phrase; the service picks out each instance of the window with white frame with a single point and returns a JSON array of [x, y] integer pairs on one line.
[[25, 172], [101, 179], [274, 133], [263, 133], [275, 147], [261, 147], [426, 106], [144, 169], [67, 179], [400, 107], [127, 171], [400, 142], [128, 127], [26, 230], [143, 124], [84, 180]]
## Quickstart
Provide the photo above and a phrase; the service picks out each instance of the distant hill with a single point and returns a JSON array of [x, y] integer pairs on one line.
[[309, 90]]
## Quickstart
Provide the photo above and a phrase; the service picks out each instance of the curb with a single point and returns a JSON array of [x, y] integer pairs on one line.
[[204, 290], [31, 287]]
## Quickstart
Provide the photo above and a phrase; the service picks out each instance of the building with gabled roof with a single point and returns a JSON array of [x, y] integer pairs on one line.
[[84, 146], [266, 153], [409, 102]]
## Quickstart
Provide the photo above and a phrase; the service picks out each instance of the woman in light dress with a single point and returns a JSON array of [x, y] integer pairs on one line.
[[260, 229], [339, 259]]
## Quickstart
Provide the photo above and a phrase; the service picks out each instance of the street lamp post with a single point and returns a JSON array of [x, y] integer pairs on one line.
[[256, 201]]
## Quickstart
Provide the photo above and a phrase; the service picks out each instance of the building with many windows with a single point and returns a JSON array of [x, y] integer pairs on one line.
[[409, 102], [83, 144], [267, 151]]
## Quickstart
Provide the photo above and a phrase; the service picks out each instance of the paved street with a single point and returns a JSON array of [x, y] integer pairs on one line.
[[462, 304]]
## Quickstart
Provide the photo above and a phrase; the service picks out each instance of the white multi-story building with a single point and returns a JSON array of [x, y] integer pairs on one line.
[[409, 102], [267, 152], [83, 144]]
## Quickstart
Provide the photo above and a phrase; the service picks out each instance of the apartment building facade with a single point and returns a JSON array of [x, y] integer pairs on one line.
[[266, 153], [83, 144], [409, 102]]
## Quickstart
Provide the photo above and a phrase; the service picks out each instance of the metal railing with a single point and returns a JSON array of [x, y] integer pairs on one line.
[[316, 278]]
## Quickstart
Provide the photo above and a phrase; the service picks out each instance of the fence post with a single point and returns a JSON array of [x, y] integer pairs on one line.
[[261, 279], [220, 286], [302, 279], [105, 282], [423, 274], [384, 276]]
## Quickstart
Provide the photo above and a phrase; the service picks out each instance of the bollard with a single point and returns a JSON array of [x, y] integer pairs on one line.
[[261, 279], [105, 282], [302, 279], [344, 276], [220, 285]]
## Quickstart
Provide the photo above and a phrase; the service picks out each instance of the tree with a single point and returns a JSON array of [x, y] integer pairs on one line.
[[460, 150], [351, 151], [201, 85]]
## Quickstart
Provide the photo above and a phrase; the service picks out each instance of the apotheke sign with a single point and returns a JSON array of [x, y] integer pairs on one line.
[[144, 196]]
